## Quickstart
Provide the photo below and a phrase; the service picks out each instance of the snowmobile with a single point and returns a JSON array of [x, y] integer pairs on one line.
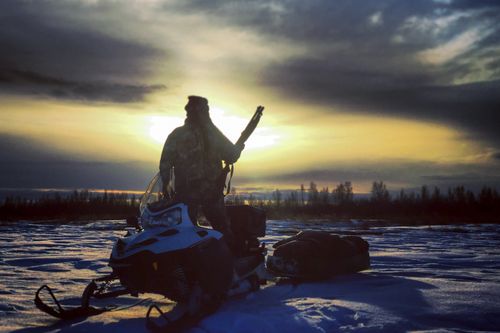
[[169, 254]]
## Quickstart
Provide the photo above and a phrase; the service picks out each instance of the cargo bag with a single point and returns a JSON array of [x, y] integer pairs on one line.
[[313, 255]]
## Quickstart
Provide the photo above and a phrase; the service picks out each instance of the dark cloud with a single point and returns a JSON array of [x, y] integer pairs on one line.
[[456, 178], [27, 163], [22, 82], [474, 4], [15, 148], [345, 22], [472, 106], [393, 172], [365, 56], [45, 53]]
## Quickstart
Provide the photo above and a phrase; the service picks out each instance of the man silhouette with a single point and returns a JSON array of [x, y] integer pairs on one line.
[[196, 151]]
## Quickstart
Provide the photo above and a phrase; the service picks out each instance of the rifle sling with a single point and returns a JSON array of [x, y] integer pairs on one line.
[[229, 168]]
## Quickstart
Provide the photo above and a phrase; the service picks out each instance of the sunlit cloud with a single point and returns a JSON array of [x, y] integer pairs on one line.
[[434, 25], [376, 19], [454, 47]]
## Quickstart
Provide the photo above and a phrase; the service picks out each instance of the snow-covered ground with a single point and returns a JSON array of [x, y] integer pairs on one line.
[[444, 278]]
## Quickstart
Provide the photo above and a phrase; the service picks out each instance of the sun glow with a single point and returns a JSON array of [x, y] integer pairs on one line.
[[232, 126], [161, 126]]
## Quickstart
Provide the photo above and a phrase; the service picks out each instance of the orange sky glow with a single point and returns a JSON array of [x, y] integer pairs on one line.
[[365, 107]]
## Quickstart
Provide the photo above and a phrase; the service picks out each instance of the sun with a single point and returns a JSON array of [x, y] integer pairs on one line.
[[232, 126], [161, 126]]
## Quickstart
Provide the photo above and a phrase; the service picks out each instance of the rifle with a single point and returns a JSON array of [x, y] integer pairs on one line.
[[252, 124]]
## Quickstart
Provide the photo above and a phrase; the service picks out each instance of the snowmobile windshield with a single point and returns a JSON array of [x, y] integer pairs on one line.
[[153, 193], [169, 218]]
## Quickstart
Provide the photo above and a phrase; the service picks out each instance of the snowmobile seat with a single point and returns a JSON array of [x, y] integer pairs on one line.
[[247, 221], [247, 224]]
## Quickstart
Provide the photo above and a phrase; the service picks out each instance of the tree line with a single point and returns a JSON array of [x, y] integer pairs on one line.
[[78, 205], [457, 204]]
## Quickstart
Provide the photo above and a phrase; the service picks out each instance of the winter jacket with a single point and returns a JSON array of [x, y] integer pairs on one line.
[[196, 152]]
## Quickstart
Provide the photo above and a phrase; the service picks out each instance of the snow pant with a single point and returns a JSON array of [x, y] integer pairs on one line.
[[212, 206], [215, 213]]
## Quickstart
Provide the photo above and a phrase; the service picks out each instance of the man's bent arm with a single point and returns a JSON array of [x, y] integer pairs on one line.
[[230, 152], [167, 160]]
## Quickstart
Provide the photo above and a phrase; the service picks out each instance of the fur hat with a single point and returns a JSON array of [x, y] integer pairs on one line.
[[197, 100]]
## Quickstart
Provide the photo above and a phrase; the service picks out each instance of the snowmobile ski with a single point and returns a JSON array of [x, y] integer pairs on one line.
[[65, 313], [85, 309]]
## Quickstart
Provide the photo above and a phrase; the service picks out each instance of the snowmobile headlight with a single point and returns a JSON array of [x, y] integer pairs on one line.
[[167, 219]]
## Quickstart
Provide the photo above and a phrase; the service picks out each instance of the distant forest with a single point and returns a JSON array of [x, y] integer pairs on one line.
[[429, 205], [79, 205]]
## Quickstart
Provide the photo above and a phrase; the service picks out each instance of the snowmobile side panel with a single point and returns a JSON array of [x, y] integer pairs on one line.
[[159, 240], [213, 265]]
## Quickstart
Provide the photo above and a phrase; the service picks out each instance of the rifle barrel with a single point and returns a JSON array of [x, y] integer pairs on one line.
[[252, 124]]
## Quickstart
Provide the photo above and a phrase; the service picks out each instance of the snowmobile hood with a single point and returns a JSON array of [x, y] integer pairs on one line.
[[166, 230]]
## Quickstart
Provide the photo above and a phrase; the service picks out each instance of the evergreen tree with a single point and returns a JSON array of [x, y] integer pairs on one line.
[[313, 194], [379, 192]]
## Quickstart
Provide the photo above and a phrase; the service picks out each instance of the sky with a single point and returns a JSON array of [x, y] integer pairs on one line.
[[401, 91]]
